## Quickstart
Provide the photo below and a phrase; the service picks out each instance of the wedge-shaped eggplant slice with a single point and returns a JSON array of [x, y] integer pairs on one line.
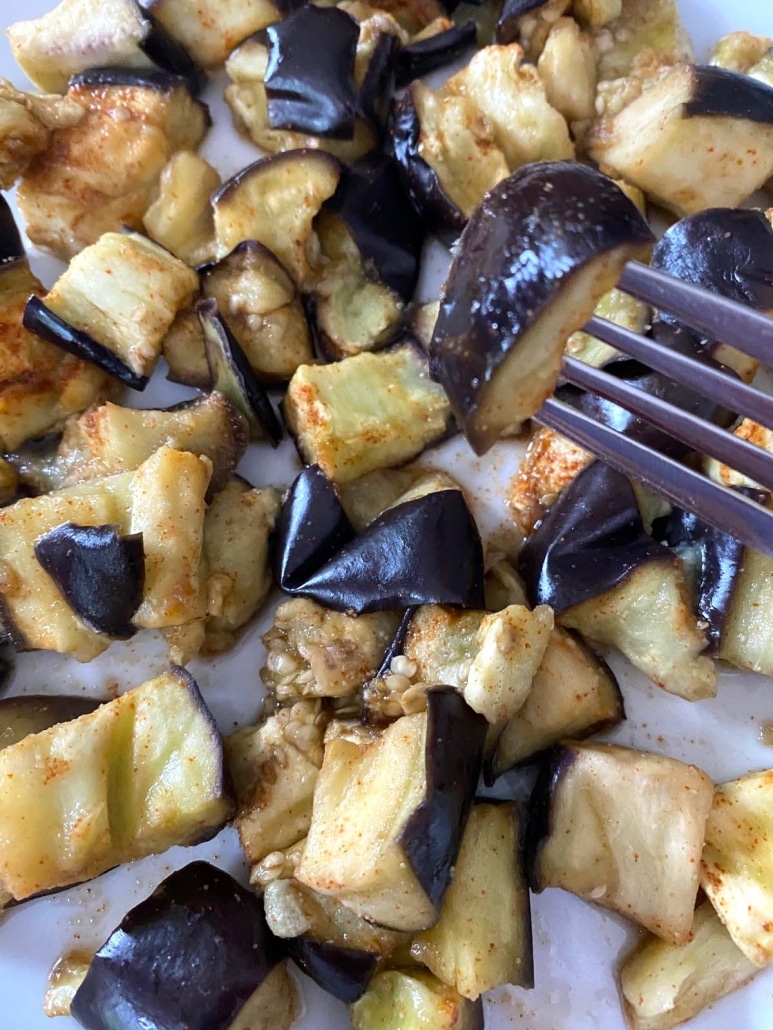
[[664, 985], [82, 186], [424, 55], [259, 302], [68, 973], [401, 560], [100, 574], [310, 73], [232, 375], [367, 412], [737, 867], [388, 817], [498, 377], [84, 796], [181, 217], [274, 201], [31, 713], [114, 304], [573, 694], [724, 118], [622, 828], [191, 954], [414, 1000], [447, 154], [483, 936]]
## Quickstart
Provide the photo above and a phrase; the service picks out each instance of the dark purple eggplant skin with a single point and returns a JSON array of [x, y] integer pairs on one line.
[[420, 178], [512, 11], [454, 757], [343, 972], [6, 668], [100, 574], [397, 646], [378, 83], [11, 246], [218, 337], [44, 323], [589, 542], [233, 184], [371, 201], [188, 956], [312, 528], [718, 92], [169, 53], [554, 766], [142, 78], [726, 250], [32, 713], [424, 551], [310, 75], [424, 56], [561, 215]]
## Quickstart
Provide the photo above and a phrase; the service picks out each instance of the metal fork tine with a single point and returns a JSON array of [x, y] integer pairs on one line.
[[724, 509], [698, 434], [715, 317], [711, 382]]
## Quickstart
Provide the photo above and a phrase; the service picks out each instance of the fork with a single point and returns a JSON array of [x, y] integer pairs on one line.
[[715, 318]]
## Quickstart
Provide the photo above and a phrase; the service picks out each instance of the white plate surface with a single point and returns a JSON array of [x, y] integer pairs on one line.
[[577, 947]]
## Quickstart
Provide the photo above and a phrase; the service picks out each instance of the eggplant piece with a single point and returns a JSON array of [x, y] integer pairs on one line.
[[510, 25], [620, 308], [310, 73], [82, 186], [26, 123], [65, 978], [100, 574], [476, 954], [181, 218], [401, 560], [737, 865], [367, 412], [724, 117], [313, 527], [745, 636], [623, 828], [32, 713], [550, 464], [664, 985], [495, 379], [411, 999], [341, 971], [183, 351], [597, 12], [259, 302], [377, 52], [447, 155], [275, 1005], [87, 796], [739, 51], [655, 26], [191, 954], [365, 498], [11, 246], [402, 801], [423, 56], [248, 206], [568, 68], [233, 377], [6, 668]]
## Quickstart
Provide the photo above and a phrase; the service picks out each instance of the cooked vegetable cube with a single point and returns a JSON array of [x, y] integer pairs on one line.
[[567, 67], [412, 1000], [181, 218], [210, 29], [26, 123], [550, 464]]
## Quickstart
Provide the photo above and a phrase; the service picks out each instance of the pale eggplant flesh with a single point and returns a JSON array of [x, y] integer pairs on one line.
[[168, 53], [100, 573], [426, 55], [31, 713]]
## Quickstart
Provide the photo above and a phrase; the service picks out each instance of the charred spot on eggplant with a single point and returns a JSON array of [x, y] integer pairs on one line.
[[11, 246], [49, 326], [233, 377], [100, 573], [527, 273], [312, 528], [191, 954], [425, 55], [310, 73], [32, 713], [402, 559]]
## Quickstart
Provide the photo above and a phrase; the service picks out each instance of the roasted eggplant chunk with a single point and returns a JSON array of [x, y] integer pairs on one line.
[[275, 201], [498, 377], [100, 574], [724, 118], [191, 954], [32, 713], [26, 123], [82, 186], [483, 936], [259, 302], [424, 55], [653, 29], [114, 304], [181, 217], [388, 817], [550, 464], [83, 796], [737, 866], [414, 1000], [447, 154], [65, 978], [367, 412], [664, 985], [402, 559], [568, 68], [745, 639], [623, 828], [40, 384]]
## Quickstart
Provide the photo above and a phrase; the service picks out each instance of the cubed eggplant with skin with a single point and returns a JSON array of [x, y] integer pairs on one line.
[[422, 56], [414, 1000], [181, 218], [388, 817], [26, 124], [192, 954], [498, 377], [32, 713], [623, 828]]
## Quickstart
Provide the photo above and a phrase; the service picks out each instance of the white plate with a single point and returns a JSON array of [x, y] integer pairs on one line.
[[577, 947]]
